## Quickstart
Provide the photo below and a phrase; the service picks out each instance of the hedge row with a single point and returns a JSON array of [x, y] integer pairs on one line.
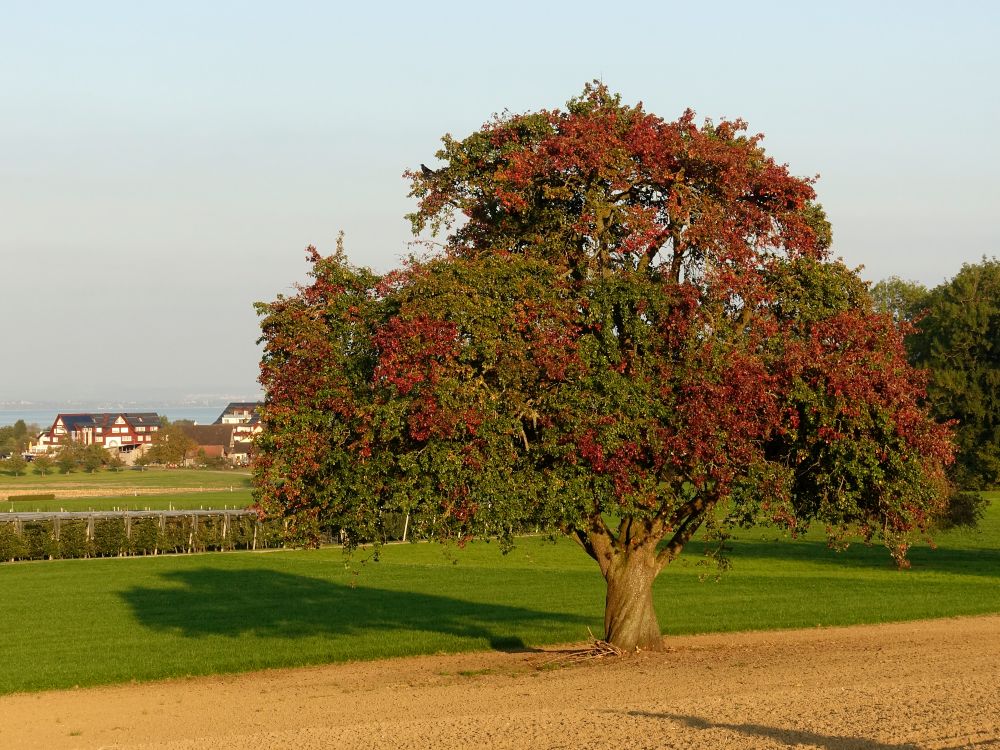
[[31, 498], [39, 540]]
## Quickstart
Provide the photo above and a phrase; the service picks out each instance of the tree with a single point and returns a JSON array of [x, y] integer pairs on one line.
[[68, 457], [16, 437], [170, 444], [115, 462], [958, 340], [215, 463], [902, 299], [42, 464], [93, 457], [634, 331], [16, 464]]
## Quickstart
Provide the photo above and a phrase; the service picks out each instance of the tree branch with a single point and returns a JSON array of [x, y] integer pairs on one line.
[[680, 538], [653, 248], [581, 538], [677, 261], [597, 540], [687, 519]]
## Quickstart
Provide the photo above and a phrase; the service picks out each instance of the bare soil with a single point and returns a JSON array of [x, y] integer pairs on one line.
[[932, 684]]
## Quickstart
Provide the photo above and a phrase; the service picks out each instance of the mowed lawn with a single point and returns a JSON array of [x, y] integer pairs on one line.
[[85, 622], [197, 500], [152, 477], [189, 489]]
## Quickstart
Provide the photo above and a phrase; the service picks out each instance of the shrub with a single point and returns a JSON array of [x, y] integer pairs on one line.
[[176, 532], [109, 537], [73, 540], [207, 533], [39, 540], [241, 531], [146, 538], [40, 498], [270, 535], [11, 543], [964, 510]]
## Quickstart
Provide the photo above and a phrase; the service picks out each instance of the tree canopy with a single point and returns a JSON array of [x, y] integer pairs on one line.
[[15, 438], [634, 331], [958, 340], [170, 444], [904, 300], [16, 464]]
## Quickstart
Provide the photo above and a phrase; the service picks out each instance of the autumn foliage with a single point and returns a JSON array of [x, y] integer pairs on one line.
[[634, 331]]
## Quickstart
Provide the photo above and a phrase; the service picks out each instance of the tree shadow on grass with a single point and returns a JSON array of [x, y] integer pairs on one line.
[[791, 737], [271, 604]]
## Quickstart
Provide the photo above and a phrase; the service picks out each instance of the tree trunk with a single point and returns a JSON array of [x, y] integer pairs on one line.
[[629, 618]]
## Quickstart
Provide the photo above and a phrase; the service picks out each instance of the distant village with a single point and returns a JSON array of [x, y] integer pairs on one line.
[[129, 435]]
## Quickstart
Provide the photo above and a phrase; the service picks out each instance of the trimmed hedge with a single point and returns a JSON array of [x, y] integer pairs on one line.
[[62, 538], [12, 544]]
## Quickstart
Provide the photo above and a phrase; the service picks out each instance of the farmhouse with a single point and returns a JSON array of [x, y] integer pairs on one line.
[[244, 416], [121, 431], [230, 436], [217, 441]]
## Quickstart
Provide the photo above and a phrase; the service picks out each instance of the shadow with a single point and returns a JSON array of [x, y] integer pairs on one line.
[[791, 737], [962, 561], [266, 603]]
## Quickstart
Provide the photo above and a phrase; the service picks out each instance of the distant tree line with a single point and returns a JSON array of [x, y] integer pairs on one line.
[[15, 438], [14, 442]]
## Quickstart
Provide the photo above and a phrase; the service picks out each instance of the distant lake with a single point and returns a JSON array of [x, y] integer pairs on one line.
[[45, 417]]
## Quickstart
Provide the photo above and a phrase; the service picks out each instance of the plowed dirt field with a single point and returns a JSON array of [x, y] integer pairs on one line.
[[931, 684]]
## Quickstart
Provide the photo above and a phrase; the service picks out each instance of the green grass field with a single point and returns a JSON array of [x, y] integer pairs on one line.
[[85, 622], [150, 477], [193, 489], [207, 500]]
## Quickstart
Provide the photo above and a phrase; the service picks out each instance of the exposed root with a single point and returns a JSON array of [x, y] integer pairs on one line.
[[598, 649]]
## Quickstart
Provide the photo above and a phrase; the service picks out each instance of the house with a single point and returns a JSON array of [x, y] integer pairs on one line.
[[242, 452], [215, 440], [219, 441], [241, 412], [120, 431], [245, 418]]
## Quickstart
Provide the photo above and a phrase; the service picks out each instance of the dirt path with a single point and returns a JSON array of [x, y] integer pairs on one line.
[[932, 684]]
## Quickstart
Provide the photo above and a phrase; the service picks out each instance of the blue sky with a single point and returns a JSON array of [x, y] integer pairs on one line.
[[161, 168]]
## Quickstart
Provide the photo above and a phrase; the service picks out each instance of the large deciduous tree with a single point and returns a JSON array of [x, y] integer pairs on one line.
[[633, 331]]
